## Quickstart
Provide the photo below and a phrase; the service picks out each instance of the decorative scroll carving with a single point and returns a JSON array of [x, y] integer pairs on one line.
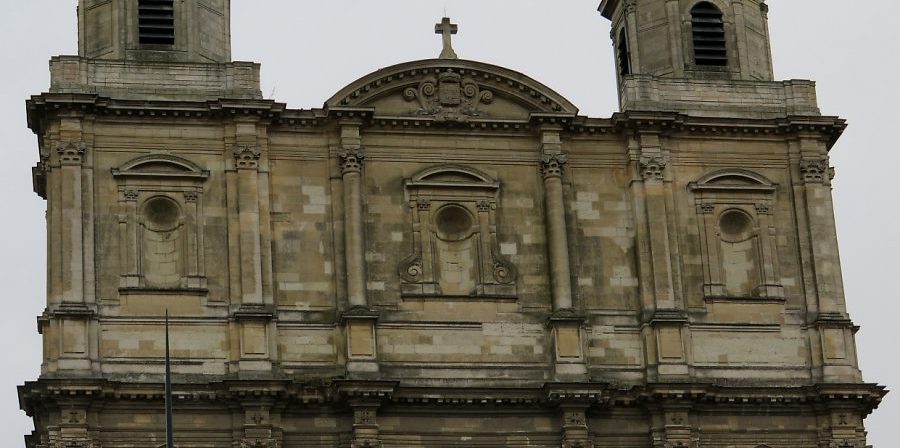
[[70, 152], [246, 157], [190, 196], [449, 97], [351, 161], [552, 164], [504, 271], [411, 269], [131, 195], [653, 167], [815, 170], [763, 208]]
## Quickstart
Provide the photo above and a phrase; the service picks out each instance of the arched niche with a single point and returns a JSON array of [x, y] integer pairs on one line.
[[738, 235], [454, 232], [160, 211]]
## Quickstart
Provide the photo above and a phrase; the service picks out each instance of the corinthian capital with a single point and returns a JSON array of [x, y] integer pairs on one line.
[[653, 167], [552, 164], [351, 160], [246, 156], [70, 153], [814, 170]]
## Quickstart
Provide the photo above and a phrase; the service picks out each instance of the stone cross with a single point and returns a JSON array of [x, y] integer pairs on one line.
[[447, 29]]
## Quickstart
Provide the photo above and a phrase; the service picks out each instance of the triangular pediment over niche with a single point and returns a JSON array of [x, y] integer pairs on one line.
[[453, 91]]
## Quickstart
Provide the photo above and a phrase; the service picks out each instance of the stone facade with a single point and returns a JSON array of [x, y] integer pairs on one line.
[[445, 255]]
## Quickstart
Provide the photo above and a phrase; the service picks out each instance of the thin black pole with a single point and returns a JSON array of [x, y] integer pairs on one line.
[[170, 443]]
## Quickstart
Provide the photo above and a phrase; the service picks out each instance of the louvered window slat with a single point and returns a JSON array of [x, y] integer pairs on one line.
[[708, 32], [156, 22], [624, 54]]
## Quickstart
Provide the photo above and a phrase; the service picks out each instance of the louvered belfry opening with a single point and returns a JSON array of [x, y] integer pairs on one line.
[[156, 22], [709, 35], [624, 54]]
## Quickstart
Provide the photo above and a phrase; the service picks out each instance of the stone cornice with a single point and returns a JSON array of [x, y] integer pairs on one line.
[[50, 392], [829, 128]]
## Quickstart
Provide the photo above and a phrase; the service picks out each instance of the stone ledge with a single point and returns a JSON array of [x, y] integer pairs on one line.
[[155, 81], [720, 98]]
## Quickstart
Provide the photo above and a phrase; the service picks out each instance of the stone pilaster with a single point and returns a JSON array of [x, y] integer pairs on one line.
[[351, 163], [834, 333], [672, 428], [566, 324], [75, 426], [663, 310], [365, 399], [251, 279], [359, 320], [69, 321], [574, 401], [575, 429], [259, 425], [246, 162]]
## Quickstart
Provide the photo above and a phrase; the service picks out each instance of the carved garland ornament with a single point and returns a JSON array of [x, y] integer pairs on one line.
[[449, 97]]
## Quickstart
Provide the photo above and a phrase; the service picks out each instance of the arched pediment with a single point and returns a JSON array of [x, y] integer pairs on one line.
[[451, 90], [453, 176], [734, 179], [160, 165]]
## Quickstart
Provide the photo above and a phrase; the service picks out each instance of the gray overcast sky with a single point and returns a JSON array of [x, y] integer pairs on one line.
[[310, 49]]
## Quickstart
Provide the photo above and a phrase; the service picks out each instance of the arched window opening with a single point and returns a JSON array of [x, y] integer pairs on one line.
[[156, 22], [624, 54], [709, 35]]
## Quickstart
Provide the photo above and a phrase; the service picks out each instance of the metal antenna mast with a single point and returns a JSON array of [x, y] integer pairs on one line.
[[169, 437]]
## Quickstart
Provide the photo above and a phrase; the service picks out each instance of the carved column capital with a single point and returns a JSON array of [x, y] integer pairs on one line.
[[70, 152], [351, 161], [815, 170], [706, 208], [246, 157], [131, 195], [552, 164], [653, 167], [259, 443]]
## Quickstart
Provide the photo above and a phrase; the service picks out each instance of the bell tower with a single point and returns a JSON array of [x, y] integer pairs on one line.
[[700, 56], [155, 50], [155, 30], [724, 39]]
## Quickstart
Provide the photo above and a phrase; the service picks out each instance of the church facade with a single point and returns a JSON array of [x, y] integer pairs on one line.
[[447, 254]]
